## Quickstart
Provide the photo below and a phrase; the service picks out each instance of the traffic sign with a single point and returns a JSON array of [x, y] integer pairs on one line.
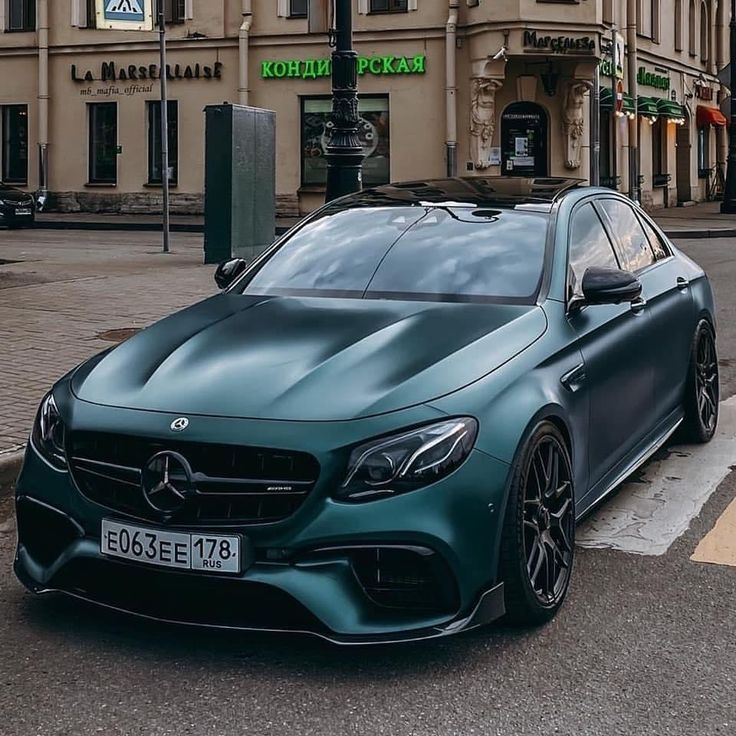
[[125, 15]]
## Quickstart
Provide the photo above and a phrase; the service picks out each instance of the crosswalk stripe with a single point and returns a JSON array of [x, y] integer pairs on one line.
[[649, 513], [718, 546]]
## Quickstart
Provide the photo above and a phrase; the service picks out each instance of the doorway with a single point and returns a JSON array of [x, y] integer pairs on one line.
[[524, 144]]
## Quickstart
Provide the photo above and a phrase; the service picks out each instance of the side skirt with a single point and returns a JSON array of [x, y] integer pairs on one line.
[[639, 459]]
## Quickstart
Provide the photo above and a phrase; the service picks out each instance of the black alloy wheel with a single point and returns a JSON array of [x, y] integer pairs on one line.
[[538, 538], [549, 522], [703, 391]]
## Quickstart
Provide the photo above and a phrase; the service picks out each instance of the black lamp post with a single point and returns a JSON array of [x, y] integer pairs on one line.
[[344, 152], [729, 195]]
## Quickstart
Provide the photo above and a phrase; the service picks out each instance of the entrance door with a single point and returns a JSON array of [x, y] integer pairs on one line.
[[684, 185], [524, 145]]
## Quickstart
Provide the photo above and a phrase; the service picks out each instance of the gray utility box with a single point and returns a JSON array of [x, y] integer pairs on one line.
[[239, 182]]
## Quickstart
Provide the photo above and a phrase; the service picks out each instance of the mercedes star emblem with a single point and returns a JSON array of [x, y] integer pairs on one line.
[[180, 424], [167, 482]]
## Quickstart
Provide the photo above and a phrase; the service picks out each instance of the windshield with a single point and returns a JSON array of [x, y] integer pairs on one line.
[[453, 253]]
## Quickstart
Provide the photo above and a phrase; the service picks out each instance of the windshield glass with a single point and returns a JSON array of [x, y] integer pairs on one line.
[[419, 252]]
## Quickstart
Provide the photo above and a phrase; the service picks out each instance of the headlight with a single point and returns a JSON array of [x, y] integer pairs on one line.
[[48, 433], [405, 462]]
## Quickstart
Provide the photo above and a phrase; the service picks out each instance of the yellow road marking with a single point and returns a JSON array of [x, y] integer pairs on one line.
[[718, 546]]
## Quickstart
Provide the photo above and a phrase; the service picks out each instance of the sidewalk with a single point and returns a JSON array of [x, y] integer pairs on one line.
[[61, 291], [703, 220]]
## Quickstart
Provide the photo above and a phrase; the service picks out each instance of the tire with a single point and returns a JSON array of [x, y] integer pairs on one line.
[[702, 391], [538, 537]]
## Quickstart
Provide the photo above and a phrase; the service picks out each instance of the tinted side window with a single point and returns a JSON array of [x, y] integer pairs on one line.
[[636, 251], [660, 249], [589, 246]]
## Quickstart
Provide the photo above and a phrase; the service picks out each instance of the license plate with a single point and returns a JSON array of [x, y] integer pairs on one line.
[[209, 552], [23, 211]]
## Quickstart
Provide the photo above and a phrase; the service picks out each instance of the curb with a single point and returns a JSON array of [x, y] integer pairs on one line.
[[10, 463], [152, 227], [174, 227], [725, 232]]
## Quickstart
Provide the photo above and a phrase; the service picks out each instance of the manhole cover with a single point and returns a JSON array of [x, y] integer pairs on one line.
[[118, 335]]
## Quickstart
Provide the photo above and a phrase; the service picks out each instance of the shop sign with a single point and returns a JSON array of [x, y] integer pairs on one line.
[[651, 79], [110, 72], [703, 92], [316, 68], [559, 44]]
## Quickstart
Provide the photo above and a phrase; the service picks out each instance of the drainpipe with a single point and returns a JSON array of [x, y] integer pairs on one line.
[[43, 101], [451, 87], [243, 50], [634, 92]]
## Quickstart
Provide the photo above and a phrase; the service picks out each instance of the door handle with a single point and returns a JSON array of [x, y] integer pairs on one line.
[[682, 283], [638, 305]]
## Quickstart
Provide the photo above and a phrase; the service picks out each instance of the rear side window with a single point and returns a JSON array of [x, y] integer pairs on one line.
[[589, 246], [661, 251], [636, 253]]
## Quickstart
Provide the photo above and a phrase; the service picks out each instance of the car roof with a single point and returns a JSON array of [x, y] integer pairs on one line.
[[470, 191]]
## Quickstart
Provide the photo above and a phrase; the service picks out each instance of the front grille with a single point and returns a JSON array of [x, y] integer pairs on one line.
[[234, 485]]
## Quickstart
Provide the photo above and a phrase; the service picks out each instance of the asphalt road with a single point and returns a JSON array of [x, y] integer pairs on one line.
[[644, 645]]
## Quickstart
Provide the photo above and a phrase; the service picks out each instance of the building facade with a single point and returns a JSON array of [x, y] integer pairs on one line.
[[471, 87]]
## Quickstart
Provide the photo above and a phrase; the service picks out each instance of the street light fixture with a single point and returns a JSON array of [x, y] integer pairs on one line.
[[728, 205], [344, 152]]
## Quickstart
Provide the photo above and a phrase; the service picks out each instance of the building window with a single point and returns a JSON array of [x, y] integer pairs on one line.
[[691, 28], [298, 8], [175, 11], [704, 33], [389, 6], [373, 131], [21, 15], [655, 21], [14, 131], [703, 152], [678, 25], [103, 143], [154, 142]]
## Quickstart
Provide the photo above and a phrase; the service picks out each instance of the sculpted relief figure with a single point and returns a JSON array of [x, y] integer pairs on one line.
[[482, 120], [573, 124]]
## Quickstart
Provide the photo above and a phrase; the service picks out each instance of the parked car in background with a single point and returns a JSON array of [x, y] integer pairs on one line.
[[17, 208]]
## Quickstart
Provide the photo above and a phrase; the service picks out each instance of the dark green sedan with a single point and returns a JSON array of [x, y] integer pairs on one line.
[[386, 427]]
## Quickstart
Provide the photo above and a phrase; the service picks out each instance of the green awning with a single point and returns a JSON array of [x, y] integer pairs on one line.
[[648, 107], [606, 101], [670, 109]]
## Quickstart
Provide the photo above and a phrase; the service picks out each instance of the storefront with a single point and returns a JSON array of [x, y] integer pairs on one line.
[[515, 101]]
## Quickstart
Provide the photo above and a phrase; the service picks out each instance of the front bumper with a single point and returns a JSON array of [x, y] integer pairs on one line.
[[303, 575], [10, 215]]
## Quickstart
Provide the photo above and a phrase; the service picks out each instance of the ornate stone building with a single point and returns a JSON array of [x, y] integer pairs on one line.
[[473, 87]]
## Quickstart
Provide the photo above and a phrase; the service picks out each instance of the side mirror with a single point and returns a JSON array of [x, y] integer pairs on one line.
[[228, 271], [610, 286]]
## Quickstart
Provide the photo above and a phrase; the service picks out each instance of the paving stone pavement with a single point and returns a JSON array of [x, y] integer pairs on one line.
[[60, 289]]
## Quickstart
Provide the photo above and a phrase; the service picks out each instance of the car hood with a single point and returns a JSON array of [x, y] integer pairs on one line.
[[11, 194], [307, 358]]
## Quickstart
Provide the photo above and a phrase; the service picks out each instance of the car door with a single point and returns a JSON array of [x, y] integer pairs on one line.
[[665, 289], [613, 340]]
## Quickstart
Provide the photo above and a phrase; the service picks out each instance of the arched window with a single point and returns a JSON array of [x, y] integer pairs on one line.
[[691, 29], [678, 25], [704, 33]]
